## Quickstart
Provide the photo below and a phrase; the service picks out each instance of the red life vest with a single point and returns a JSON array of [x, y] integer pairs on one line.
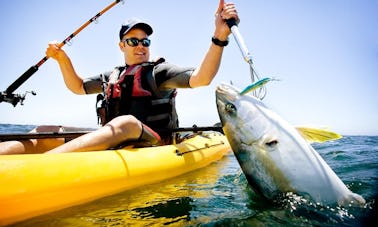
[[134, 91]]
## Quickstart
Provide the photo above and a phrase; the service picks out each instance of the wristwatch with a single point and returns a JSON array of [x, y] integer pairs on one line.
[[218, 42]]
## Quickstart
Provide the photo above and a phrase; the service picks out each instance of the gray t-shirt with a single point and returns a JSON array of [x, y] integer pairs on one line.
[[167, 76]]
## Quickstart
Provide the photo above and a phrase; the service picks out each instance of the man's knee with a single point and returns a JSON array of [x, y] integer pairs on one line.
[[48, 128], [125, 122]]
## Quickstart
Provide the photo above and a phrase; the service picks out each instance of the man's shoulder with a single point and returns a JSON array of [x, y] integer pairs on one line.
[[158, 60], [163, 66]]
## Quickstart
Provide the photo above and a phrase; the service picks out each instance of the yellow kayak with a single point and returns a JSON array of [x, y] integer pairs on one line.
[[35, 184]]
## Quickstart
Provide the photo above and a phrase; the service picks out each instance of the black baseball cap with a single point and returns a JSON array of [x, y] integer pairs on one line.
[[134, 23]]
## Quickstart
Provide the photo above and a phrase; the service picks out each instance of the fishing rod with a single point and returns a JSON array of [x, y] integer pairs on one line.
[[72, 135], [8, 96], [261, 91]]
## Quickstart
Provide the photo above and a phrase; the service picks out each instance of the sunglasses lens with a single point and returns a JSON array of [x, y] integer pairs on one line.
[[133, 42], [146, 42]]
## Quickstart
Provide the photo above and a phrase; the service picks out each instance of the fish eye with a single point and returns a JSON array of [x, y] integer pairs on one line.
[[271, 143], [230, 108]]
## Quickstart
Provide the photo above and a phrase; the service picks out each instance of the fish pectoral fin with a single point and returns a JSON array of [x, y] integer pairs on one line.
[[318, 135]]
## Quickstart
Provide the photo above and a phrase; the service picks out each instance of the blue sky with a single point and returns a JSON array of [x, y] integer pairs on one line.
[[325, 54]]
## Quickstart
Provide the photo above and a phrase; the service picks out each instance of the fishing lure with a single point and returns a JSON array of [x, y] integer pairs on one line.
[[256, 85]]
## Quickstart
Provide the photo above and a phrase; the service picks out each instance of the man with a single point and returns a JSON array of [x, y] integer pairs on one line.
[[124, 121]]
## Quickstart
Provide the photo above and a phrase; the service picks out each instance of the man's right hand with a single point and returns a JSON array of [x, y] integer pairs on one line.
[[54, 51]]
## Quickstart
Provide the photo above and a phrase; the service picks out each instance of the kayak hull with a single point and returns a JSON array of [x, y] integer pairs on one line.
[[36, 184]]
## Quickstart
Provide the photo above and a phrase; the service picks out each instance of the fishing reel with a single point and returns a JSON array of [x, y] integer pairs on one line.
[[14, 99]]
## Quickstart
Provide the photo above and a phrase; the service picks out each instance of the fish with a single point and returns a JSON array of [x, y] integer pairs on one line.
[[273, 155]]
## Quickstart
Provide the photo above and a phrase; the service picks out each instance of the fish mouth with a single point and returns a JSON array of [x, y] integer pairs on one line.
[[226, 92]]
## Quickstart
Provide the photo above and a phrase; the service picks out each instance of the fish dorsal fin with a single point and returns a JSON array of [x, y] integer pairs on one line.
[[318, 135]]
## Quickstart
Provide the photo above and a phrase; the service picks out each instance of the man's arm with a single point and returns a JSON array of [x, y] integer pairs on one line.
[[72, 80], [207, 70]]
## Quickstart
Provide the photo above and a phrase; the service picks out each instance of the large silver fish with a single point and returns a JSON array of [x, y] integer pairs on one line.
[[273, 155]]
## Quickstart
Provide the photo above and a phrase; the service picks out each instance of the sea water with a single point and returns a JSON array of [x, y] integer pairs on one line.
[[219, 195]]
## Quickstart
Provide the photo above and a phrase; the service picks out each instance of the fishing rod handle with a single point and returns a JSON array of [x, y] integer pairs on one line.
[[17, 83], [239, 39]]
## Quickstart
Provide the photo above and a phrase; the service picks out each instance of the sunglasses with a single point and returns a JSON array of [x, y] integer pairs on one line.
[[133, 42]]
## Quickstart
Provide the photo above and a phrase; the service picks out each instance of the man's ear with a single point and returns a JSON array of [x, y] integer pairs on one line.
[[121, 45]]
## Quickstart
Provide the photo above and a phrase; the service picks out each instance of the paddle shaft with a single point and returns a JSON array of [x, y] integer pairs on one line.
[[17, 83], [72, 135]]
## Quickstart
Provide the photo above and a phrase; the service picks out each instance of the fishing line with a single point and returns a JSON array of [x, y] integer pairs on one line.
[[261, 91]]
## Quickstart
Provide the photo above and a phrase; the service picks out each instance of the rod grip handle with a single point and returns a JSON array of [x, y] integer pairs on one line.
[[231, 22]]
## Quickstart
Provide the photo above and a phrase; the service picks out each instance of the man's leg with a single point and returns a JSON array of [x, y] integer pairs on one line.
[[33, 146], [119, 129]]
